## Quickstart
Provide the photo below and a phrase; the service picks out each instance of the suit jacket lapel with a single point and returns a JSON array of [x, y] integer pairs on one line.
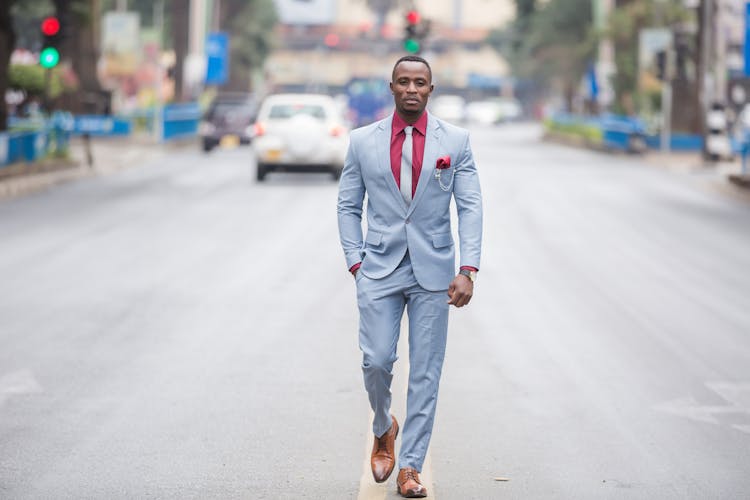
[[383, 149], [431, 150]]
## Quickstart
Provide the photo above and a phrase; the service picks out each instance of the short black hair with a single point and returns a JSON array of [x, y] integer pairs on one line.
[[412, 58]]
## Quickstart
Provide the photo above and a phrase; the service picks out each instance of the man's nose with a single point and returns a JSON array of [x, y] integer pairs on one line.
[[412, 87]]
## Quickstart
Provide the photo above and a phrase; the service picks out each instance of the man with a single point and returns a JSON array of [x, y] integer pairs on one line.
[[409, 165]]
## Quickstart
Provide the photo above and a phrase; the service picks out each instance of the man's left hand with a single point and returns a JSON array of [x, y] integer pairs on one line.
[[460, 291]]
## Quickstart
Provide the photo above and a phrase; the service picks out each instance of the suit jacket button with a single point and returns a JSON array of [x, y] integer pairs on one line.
[[408, 221]]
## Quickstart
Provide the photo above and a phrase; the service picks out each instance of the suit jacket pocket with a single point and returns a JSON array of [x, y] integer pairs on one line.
[[374, 238], [442, 240]]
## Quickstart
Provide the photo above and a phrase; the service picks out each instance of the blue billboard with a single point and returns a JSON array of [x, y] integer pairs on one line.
[[217, 58]]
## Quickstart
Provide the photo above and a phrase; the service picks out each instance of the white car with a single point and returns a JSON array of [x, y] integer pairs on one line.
[[299, 133], [510, 109], [450, 108], [485, 112]]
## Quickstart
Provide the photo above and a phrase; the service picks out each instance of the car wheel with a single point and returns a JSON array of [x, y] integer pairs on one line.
[[260, 172], [207, 145]]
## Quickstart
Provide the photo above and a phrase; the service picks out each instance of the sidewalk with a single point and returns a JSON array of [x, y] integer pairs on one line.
[[109, 155], [725, 176]]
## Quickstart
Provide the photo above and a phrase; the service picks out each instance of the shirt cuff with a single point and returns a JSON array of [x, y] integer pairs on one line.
[[354, 268], [470, 268]]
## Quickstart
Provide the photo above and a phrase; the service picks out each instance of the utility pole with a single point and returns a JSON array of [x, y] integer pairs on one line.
[[605, 64], [705, 82], [721, 51], [158, 104]]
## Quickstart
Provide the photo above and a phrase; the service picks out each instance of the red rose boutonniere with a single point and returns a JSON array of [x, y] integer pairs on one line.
[[443, 163]]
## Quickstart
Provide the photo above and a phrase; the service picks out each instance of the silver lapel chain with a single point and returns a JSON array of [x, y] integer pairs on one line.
[[438, 173]]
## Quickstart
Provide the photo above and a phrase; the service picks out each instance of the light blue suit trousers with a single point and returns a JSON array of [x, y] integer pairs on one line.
[[381, 306], [408, 262]]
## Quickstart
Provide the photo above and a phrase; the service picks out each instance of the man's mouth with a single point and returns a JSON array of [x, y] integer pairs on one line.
[[411, 101]]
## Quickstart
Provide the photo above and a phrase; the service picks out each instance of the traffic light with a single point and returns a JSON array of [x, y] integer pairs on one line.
[[412, 36], [50, 55]]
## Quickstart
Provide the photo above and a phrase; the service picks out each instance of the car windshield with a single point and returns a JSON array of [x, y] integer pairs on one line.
[[284, 111], [225, 109]]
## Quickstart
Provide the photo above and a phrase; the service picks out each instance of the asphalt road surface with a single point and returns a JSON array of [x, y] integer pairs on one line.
[[177, 330]]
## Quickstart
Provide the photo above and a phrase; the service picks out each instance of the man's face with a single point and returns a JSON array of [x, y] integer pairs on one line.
[[411, 87]]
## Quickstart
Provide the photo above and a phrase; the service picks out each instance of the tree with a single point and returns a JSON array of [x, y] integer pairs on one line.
[[179, 24], [82, 48], [250, 25], [551, 44], [7, 42], [625, 24], [559, 45]]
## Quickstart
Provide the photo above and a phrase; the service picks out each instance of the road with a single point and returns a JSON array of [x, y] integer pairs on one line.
[[176, 330]]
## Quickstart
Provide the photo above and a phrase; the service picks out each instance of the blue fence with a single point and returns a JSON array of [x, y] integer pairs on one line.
[[627, 133], [25, 146], [99, 125], [32, 138], [180, 120]]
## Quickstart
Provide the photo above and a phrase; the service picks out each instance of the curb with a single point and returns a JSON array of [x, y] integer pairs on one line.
[[109, 155], [740, 180]]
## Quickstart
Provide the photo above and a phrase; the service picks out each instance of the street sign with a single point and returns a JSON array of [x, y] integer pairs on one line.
[[217, 56], [100, 125]]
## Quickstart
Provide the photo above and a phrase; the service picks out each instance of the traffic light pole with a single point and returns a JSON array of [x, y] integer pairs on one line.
[[47, 83]]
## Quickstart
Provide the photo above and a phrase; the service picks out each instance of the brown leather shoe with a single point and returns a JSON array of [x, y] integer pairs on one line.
[[383, 457], [408, 484]]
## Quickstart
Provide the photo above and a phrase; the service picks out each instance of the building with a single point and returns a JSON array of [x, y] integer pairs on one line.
[[322, 44]]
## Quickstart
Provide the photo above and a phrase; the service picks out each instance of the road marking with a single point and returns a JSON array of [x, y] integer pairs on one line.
[[368, 488], [17, 383], [737, 396]]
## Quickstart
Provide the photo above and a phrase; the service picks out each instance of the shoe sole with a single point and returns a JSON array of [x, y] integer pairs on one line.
[[410, 494]]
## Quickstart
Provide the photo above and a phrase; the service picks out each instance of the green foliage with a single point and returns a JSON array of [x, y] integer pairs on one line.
[[576, 130], [251, 34], [31, 79], [624, 25], [552, 43]]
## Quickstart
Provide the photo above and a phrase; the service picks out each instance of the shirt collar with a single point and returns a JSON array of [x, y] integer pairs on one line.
[[399, 124]]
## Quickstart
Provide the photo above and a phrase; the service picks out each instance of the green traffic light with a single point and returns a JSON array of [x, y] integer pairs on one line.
[[49, 57], [411, 45]]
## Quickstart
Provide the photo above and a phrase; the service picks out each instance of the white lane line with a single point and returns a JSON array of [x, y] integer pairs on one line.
[[368, 488], [18, 383]]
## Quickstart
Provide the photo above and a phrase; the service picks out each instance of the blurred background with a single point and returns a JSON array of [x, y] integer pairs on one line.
[[176, 316], [599, 64]]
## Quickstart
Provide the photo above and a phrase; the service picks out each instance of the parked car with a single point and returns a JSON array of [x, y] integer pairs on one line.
[[510, 109], [300, 133], [451, 108], [485, 112], [228, 121]]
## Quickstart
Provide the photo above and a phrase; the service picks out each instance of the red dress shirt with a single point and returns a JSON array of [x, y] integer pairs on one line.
[[397, 143]]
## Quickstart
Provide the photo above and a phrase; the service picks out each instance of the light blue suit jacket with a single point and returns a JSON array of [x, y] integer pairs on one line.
[[424, 226]]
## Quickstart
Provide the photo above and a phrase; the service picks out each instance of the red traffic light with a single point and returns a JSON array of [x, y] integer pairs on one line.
[[331, 40], [412, 17], [50, 26]]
